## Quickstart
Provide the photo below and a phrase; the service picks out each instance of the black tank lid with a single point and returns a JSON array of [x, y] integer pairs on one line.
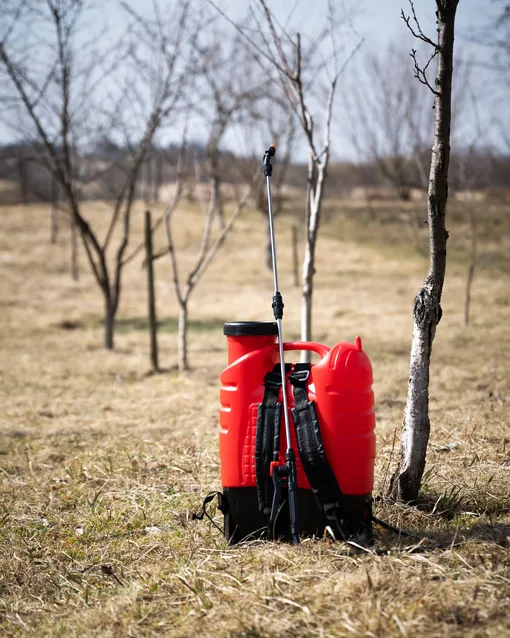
[[250, 328]]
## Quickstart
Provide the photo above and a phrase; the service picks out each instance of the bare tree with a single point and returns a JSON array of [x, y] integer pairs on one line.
[[75, 270], [150, 175], [206, 253], [54, 211], [282, 131], [296, 72], [229, 88], [406, 481], [280, 128], [287, 56], [88, 87]]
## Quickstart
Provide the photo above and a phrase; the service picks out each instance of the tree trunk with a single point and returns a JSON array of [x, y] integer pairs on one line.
[[216, 186], [182, 337], [315, 192], [306, 298], [23, 179], [406, 481], [295, 254], [54, 224], [74, 250], [144, 180], [54, 211], [308, 267], [154, 177], [151, 297], [109, 322]]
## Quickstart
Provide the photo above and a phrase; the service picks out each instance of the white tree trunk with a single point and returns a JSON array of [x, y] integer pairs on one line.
[[315, 192], [406, 481], [306, 299], [416, 423]]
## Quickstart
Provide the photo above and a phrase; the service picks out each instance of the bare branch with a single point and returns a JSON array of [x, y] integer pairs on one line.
[[221, 238], [421, 73], [70, 108], [418, 33], [276, 40], [252, 42], [167, 217], [16, 15], [206, 235], [331, 28]]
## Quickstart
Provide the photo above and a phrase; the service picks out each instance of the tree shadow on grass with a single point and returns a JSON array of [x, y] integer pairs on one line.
[[497, 533], [125, 325], [454, 503], [430, 540], [135, 324], [460, 518]]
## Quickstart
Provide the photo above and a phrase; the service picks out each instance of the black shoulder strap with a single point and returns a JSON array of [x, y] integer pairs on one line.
[[311, 451], [266, 438]]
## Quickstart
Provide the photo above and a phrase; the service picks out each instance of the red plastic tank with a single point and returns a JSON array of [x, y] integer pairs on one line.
[[340, 384]]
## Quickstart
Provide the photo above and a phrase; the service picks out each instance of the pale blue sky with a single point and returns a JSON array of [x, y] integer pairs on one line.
[[377, 21]]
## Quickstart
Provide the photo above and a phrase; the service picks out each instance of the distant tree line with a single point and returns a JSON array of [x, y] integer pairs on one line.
[[26, 179]]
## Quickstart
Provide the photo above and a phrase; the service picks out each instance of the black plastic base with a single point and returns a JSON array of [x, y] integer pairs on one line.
[[243, 520]]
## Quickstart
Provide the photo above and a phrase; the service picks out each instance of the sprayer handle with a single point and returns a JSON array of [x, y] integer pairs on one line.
[[319, 348]]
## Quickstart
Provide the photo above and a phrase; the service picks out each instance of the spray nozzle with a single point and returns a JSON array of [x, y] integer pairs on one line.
[[266, 162]]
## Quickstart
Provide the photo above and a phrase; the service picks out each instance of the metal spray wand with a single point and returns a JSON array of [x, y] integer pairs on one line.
[[289, 469]]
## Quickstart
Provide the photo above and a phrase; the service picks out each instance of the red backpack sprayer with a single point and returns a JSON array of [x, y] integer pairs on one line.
[[319, 473]]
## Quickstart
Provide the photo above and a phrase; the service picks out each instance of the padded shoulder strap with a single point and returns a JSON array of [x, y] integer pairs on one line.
[[268, 434], [311, 451]]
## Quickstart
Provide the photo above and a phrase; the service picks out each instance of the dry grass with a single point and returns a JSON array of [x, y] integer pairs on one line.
[[102, 463]]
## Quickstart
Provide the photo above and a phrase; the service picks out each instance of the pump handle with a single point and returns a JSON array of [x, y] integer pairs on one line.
[[319, 348]]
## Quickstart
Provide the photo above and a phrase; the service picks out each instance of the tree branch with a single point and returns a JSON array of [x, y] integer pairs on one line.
[[421, 73], [255, 46], [221, 238], [419, 35]]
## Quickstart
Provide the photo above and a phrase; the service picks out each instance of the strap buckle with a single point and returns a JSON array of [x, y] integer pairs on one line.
[[299, 378], [273, 378]]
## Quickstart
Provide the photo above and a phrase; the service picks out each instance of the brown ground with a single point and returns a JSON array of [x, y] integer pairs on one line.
[[95, 451]]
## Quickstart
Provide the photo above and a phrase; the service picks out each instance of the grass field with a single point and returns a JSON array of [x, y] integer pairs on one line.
[[102, 463]]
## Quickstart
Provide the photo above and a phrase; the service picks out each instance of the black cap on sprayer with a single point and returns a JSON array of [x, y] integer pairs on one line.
[[287, 471]]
